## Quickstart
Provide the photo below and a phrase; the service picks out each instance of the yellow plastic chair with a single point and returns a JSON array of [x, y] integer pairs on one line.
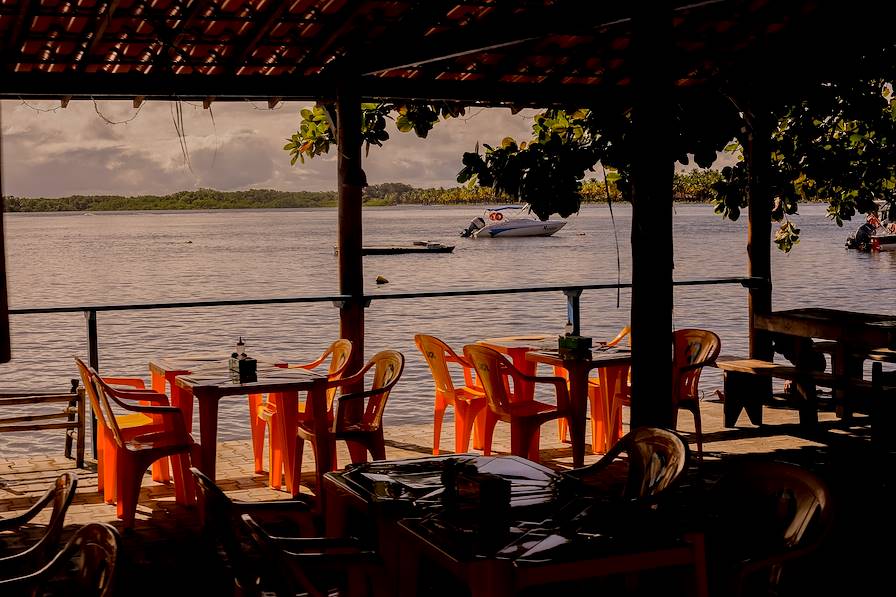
[[595, 400], [263, 414], [693, 349], [496, 374], [468, 400], [131, 425]]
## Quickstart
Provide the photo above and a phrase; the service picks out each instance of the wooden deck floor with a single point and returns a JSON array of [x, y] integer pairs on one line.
[[164, 545]]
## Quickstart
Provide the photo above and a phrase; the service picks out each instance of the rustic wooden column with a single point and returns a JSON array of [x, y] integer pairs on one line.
[[757, 153], [351, 181], [652, 259], [5, 352]]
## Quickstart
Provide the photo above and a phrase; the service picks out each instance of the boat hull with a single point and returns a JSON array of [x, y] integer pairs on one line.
[[517, 228]]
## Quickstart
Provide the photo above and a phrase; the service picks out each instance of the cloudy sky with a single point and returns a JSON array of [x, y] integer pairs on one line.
[[51, 152]]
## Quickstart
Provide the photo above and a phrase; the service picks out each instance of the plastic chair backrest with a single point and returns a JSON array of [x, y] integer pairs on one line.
[[340, 353], [623, 333], [95, 548], [692, 350], [656, 459], [437, 354], [387, 367], [87, 373], [494, 371], [284, 578], [771, 512], [60, 495]]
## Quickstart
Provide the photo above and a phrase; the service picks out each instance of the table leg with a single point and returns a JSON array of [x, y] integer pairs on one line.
[[182, 399], [317, 396], [578, 400], [208, 433], [288, 411]]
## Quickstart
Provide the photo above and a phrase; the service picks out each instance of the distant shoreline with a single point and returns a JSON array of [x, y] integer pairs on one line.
[[691, 188]]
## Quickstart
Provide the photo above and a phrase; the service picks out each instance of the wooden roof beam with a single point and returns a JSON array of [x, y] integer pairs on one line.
[[271, 19], [196, 9], [99, 29], [13, 41]]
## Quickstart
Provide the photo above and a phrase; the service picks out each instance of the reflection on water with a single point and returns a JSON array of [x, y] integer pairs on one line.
[[117, 258]]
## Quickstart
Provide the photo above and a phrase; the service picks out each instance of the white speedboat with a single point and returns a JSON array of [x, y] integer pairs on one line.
[[512, 220]]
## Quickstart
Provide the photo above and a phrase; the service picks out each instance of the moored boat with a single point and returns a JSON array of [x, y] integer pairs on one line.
[[876, 234], [510, 221]]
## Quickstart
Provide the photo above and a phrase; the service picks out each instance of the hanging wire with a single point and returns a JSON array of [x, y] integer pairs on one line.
[[37, 109], [615, 238], [96, 108]]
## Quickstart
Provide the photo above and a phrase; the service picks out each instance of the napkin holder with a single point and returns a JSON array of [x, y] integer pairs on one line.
[[574, 345], [243, 369], [481, 500]]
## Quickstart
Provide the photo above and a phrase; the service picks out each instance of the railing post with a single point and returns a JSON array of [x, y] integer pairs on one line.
[[573, 312], [93, 359]]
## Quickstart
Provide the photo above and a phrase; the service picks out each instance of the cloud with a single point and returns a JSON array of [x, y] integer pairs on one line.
[[48, 151]]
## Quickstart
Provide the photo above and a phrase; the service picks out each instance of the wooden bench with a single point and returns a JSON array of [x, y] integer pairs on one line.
[[747, 380], [69, 417]]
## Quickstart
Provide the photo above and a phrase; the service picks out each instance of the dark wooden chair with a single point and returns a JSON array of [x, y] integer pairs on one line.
[[69, 416], [765, 517], [656, 459], [222, 528], [883, 405], [60, 495], [94, 551], [315, 566]]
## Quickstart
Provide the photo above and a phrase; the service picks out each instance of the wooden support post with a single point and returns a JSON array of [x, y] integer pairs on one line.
[[351, 181], [652, 258], [758, 156], [5, 352]]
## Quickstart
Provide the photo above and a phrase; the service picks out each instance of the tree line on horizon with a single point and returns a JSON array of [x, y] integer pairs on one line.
[[692, 186]]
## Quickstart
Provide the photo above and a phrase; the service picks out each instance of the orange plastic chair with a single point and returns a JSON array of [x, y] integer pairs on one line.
[[135, 453], [265, 413], [693, 350], [468, 401], [595, 400], [130, 425], [366, 433], [496, 374]]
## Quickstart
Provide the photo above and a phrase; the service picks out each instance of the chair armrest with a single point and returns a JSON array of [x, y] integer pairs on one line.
[[149, 396], [319, 543], [273, 506], [14, 522]]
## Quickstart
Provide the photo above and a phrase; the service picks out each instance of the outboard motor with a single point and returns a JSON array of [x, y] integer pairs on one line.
[[861, 240], [475, 224]]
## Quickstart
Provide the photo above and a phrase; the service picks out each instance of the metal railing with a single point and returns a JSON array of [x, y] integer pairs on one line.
[[573, 294]]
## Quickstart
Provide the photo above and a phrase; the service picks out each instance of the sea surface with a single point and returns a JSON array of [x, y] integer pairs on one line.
[[84, 259]]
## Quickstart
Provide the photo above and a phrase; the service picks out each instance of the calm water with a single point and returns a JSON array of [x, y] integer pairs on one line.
[[94, 259]]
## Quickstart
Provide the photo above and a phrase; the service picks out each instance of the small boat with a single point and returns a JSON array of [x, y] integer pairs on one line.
[[416, 247], [511, 220], [876, 234]]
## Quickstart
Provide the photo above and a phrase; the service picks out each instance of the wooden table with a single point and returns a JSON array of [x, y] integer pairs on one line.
[[500, 577], [516, 348], [213, 382], [856, 336], [613, 363]]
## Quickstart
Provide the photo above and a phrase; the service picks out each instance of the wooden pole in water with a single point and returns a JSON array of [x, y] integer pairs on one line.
[[757, 153], [351, 181], [652, 260]]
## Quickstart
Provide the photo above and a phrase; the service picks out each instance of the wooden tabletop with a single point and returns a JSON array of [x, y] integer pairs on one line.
[[850, 327], [597, 357], [269, 379]]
